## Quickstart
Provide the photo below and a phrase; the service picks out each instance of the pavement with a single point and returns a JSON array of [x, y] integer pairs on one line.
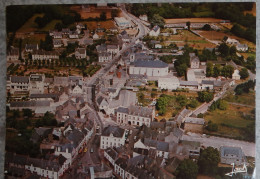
[[216, 142]]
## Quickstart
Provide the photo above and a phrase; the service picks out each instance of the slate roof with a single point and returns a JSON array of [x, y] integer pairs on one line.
[[189, 83], [13, 52], [122, 162], [81, 50], [140, 111], [159, 145], [48, 95], [156, 28], [226, 150], [242, 46], [36, 77], [75, 136], [178, 132], [101, 48], [43, 52], [104, 54], [29, 103], [116, 131], [122, 110], [19, 79], [31, 46], [150, 64], [57, 42], [112, 47], [207, 82]]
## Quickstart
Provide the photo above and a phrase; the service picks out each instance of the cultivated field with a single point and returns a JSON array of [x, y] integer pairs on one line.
[[92, 12], [92, 25], [184, 36], [193, 20]]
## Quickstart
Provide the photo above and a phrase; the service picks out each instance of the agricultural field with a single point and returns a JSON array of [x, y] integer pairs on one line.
[[214, 35], [247, 99], [92, 12], [230, 121], [193, 20], [185, 36], [92, 25]]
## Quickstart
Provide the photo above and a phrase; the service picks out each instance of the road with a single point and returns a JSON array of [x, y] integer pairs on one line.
[[247, 147]]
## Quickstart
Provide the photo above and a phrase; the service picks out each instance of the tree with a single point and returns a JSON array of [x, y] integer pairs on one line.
[[212, 127], [209, 69], [188, 25], [162, 104], [187, 169], [103, 16], [233, 50], [223, 49], [193, 103], [206, 27], [58, 26], [27, 112], [217, 70], [205, 96], [114, 13], [181, 69], [153, 95], [243, 73], [208, 161], [227, 71], [157, 20]]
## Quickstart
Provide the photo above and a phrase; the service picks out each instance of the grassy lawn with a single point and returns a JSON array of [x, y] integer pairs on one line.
[[203, 14], [248, 99], [50, 26], [232, 118]]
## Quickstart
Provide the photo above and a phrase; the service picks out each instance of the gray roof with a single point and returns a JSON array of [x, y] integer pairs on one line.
[[150, 64], [207, 82], [19, 79], [159, 145], [143, 56], [225, 150], [242, 46], [31, 46], [36, 77], [29, 103], [140, 111], [112, 46], [57, 42], [116, 131], [104, 54], [195, 120], [76, 136], [178, 132], [122, 162], [13, 51], [155, 28], [101, 48], [189, 83], [122, 110], [48, 95], [81, 50]]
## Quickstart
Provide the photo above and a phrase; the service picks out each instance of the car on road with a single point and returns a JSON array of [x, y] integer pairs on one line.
[[85, 150], [91, 150]]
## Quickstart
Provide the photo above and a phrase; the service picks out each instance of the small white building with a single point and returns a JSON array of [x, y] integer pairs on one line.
[[57, 35], [143, 17], [80, 53], [44, 55], [122, 22], [96, 36], [57, 43], [158, 46], [31, 47], [104, 57], [155, 31], [242, 47], [231, 41], [112, 136], [171, 83], [73, 35], [194, 61], [236, 75]]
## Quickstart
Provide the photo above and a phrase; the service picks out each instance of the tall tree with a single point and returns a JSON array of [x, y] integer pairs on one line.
[[157, 20], [187, 169], [208, 161], [243, 73]]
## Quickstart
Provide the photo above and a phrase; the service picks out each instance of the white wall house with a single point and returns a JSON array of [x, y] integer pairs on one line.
[[114, 49], [236, 75], [111, 155], [122, 22], [171, 83], [104, 57], [80, 53], [155, 31], [135, 115], [242, 47], [143, 17], [13, 54], [149, 68], [44, 55], [112, 136], [36, 83]]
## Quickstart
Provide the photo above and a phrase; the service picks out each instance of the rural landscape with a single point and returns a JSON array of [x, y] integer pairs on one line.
[[131, 91]]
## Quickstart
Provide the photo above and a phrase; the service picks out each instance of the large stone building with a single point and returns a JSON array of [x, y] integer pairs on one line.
[[149, 68], [135, 115], [44, 55], [104, 57], [171, 83], [229, 155], [112, 136]]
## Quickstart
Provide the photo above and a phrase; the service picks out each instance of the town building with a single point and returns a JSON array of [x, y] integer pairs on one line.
[[57, 43], [194, 61], [31, 47], [12, 54], [242, 47], [155, 31], [191, 85], [231, 41], [229, 155], [135, 115], [80, 53], [171, 83], [195, 125], [236, 75], [114, 49], [111, 155], [57, 35], [73, 35], [44, 55], [122, 22], [149, 68], [143, 17], [112, 136], [104, 57], [96, 36]]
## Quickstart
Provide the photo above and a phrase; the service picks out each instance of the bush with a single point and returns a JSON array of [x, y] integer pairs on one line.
[[200, 115], [212, 127]]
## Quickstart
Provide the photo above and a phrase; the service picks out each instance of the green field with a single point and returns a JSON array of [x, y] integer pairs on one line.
[[247, 99], [204, 14]]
